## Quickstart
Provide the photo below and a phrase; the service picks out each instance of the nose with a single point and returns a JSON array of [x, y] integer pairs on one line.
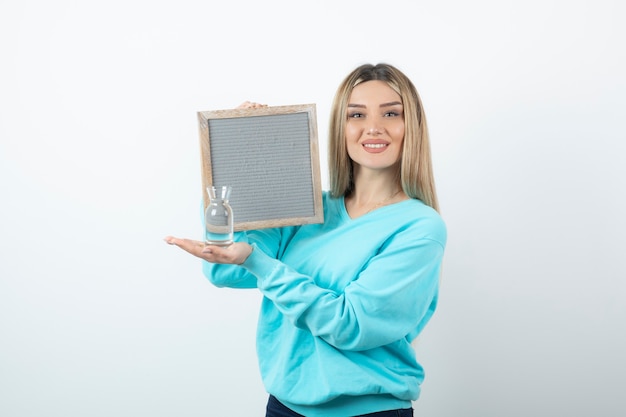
[[375, 130]]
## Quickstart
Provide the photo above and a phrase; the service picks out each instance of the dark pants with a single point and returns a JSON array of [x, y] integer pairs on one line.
[[277, 409]]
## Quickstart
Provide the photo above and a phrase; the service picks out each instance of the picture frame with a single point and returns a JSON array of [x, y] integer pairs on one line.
[[270, 158]]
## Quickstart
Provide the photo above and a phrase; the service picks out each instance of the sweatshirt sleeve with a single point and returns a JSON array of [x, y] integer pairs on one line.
[[269, 241], [393, 296], [226, 275]]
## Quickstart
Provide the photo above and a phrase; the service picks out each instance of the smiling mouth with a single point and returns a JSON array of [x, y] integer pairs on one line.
[[374, 145]]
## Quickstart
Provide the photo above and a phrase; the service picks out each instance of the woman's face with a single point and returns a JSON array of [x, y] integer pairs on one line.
[[375, 126]]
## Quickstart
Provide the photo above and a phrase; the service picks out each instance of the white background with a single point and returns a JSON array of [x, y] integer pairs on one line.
[[99, 160]]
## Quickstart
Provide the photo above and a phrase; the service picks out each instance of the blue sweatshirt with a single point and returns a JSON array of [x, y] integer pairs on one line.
[[342, 301]]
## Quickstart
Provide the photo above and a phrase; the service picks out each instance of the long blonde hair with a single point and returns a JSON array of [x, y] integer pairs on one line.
[[415, 170]]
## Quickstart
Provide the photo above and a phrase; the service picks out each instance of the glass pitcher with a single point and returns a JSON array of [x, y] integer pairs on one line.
[[218, 217]]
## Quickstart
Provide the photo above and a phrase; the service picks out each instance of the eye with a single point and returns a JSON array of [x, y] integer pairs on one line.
[[392, 114], [355, 115]]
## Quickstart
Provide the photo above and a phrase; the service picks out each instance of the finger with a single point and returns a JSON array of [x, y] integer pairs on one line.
[[251, 105], [175, 241], [192, 246]]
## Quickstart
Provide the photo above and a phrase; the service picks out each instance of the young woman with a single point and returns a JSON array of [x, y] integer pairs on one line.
[[343, 300]]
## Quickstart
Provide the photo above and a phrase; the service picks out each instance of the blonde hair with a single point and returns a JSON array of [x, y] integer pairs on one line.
[[415, 172]]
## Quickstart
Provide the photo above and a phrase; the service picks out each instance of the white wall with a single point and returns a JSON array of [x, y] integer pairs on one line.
[[99, 160]]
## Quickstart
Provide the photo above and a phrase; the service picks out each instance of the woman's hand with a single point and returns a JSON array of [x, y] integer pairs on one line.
[[251, 105], [235, 254]]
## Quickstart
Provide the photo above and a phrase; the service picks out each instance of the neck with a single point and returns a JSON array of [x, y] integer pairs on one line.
[[374, 195], [372, 186], [372, 192]]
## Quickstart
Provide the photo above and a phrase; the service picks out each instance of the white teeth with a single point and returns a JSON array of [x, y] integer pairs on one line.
[[374, 145]]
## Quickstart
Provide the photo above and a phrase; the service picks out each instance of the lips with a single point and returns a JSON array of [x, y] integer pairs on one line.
[[375, 146]]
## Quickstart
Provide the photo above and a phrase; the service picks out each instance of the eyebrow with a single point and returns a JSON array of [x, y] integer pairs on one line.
[[391, 103]]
